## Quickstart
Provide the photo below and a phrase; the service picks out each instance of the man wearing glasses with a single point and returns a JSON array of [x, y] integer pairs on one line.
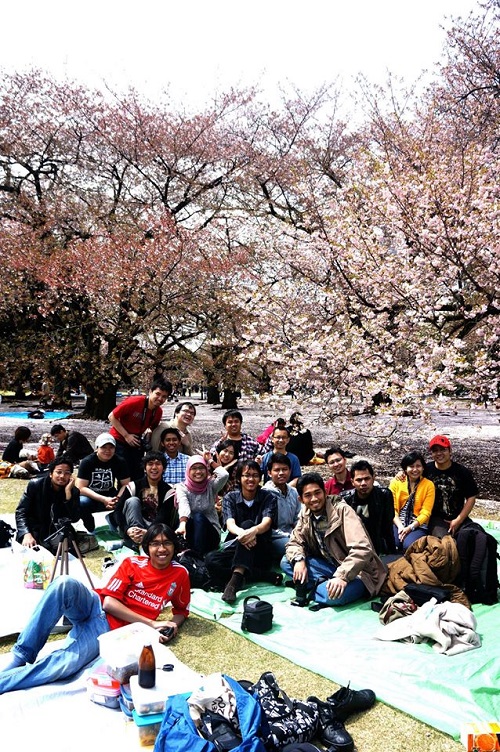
[[456, 489], [249, 514], [136, 592], [341, 480]]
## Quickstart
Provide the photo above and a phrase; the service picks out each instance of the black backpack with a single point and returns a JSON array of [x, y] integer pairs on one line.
[[6, 534], [199, 575], [478, 564]]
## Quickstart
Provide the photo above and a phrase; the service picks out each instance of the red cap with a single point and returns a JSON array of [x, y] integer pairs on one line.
[[442, 441]]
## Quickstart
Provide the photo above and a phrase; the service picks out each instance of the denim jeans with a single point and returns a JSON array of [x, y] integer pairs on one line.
[[317, 568], [68, 597], [201, 535], [420, 532]]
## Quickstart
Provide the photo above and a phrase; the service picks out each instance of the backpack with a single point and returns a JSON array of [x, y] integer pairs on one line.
[[6, 534], [199, 575], [285, 720], [178, 732], [478, 554]]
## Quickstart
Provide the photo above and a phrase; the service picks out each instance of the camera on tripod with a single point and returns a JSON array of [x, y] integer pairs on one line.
[[64, 529]]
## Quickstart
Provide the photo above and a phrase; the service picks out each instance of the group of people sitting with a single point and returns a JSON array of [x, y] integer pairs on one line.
[[244, 506], [251, 496]]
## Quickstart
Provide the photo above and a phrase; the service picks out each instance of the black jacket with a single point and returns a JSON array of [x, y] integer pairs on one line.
[[75, 446], [379, 522], [167, 511], [40, 505]]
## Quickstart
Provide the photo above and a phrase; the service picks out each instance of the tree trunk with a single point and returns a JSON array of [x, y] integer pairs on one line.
[[230, 401], [213, 395], [62, 394], [100, 401]]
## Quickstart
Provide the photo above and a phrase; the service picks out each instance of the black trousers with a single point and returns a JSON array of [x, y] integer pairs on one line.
[[254, 561]]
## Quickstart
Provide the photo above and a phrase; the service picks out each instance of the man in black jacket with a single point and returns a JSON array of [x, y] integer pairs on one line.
[[74, 445], [45, 501], [374, 504]]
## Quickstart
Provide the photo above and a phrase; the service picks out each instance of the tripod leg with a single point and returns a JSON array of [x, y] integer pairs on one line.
[[65, 557], [80, 557], [54, 567]]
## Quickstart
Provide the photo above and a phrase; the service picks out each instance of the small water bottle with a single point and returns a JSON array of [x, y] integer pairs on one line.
[[147, 667]]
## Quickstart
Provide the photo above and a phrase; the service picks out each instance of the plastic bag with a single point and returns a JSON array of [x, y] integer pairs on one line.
[[37, 568]]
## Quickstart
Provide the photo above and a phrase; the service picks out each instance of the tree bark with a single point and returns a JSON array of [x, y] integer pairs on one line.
[[100, 401], [230, 400]]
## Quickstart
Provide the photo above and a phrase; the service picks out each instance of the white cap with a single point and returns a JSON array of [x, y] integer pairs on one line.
[[104, 438]]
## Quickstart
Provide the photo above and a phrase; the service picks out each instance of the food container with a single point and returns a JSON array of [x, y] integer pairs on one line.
[[148, 727], [102, 688], [120, 649], [179, 679], [127, 713], [126, 697]]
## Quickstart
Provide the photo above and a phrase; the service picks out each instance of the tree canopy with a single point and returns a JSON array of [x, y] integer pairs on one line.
[[280, 248]]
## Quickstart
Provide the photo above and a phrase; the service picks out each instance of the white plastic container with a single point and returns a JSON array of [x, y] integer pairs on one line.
[[120, 649], [102, 688]]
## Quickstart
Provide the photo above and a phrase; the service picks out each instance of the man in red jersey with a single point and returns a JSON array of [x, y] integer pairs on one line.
[[136, 592]]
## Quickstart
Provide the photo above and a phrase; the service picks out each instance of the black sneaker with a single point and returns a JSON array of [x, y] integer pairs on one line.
[[331, 729], [347, 701]]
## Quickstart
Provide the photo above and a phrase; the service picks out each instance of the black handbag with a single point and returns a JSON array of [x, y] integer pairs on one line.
[[257, 615], [288, 720], [421, 593]]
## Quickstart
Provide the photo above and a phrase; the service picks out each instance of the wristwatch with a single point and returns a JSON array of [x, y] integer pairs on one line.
[[299, 557]]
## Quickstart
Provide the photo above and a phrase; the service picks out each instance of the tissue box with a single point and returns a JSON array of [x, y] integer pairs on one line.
[[481, 737]]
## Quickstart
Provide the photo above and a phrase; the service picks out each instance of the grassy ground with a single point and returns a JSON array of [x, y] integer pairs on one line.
[[207, 647]]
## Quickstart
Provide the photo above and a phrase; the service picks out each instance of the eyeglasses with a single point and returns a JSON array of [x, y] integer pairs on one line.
[[159, 544], [252, 476]]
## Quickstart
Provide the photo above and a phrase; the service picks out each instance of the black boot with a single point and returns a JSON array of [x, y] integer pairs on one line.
[[347, 701], [331, 730]]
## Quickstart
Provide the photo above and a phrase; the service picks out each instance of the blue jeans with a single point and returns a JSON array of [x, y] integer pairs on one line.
[[420, 532], [317, 568], [65, 596]]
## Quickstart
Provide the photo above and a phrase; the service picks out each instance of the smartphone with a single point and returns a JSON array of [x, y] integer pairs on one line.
[[167, 632]]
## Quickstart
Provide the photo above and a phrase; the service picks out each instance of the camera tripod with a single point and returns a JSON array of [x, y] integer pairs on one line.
[[65, 536]]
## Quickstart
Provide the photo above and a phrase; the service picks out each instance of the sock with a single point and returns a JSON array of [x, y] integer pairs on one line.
[[15, 662], [237, 579]]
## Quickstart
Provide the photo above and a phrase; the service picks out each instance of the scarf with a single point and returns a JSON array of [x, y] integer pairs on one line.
[[191, 485], [408, 507]]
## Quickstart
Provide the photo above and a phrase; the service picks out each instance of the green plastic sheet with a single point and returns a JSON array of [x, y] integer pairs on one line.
[[443, 691]]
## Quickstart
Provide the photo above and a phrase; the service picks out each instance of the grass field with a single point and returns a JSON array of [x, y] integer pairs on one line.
[[208, 646]]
